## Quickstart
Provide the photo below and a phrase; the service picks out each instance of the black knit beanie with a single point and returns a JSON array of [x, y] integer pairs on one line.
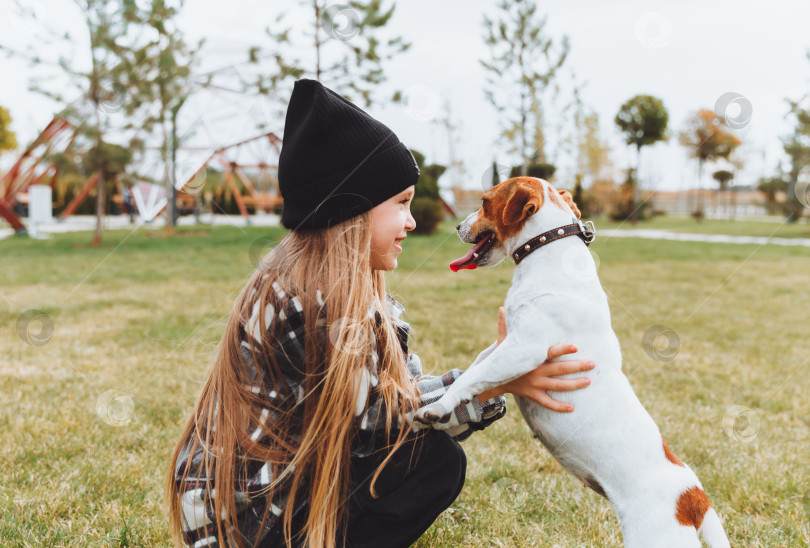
[[336, 161]]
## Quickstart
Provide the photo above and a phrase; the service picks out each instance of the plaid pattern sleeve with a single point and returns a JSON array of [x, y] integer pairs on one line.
[[466, 419]]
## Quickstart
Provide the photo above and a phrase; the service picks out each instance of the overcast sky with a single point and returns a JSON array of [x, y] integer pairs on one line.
[[688, 53]]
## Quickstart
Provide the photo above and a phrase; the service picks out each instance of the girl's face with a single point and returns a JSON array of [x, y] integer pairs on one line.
[[390, 222]]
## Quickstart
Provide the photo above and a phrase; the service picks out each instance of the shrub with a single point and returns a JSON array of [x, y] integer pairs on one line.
[[427, 213], [426, 207], [540, 171]]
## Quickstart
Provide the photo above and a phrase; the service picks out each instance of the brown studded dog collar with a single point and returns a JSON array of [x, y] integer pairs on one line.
[[586, 231]]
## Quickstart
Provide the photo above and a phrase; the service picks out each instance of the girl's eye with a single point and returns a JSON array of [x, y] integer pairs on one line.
[[405, 201]]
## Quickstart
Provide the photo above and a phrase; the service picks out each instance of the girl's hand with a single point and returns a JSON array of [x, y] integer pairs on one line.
[[535, 383]]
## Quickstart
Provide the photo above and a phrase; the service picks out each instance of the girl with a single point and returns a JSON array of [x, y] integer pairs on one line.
[[302, 433]]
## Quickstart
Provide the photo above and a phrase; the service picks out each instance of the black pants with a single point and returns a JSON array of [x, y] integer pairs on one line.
[[421, 480]]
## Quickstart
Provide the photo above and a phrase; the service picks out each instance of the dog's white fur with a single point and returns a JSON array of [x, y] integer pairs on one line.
[[609, 438]]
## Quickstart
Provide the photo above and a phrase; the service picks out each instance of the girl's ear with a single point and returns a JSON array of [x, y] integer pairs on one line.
[[570, 201], [523, 202]]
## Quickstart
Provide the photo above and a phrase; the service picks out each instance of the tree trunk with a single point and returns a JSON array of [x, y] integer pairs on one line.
[[728, 202], [635, 181], [173, 198], [524, 169], [699, 207], [100, 197], [167, 180], [317, 40], [94, 89], [733, 205]]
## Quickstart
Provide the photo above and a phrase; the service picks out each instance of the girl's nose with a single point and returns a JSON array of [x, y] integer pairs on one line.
[[410, 224]]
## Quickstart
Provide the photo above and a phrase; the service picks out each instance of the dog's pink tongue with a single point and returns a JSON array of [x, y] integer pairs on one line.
[[462, 263], [467, 260]]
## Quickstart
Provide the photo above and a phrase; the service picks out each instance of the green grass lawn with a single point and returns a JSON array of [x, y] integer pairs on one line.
[[87, 419], [775, 228]]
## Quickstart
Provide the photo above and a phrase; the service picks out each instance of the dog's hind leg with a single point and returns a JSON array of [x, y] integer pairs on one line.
[[711, 530], [651, 526], [693, 508]]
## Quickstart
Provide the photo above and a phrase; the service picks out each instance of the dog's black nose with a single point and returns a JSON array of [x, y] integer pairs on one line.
[[458, 226]]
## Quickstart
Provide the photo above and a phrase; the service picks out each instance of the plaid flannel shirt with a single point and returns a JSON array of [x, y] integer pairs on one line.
[[199, 528]]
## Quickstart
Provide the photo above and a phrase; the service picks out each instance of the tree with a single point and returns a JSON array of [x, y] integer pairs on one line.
[[158, 77], [347, 51], [540, 171], [579, 195], [569, 124], [770, 187], [8, 140], [601, 197], [521, 58], [538, 144], [427, 207], [496, 178], [723, 177], [101, 94], [706, 140], [625, 205], [589, 152], [643, 120], [593, 156], [452, 129], [797, 147]]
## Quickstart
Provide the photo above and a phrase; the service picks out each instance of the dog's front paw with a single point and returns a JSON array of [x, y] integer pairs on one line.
[[433, 414]]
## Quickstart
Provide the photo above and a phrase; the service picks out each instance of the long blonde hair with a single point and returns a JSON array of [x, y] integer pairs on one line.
[[335, 261]]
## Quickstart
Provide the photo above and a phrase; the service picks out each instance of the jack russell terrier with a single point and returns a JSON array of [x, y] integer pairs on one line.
[[609, 441]]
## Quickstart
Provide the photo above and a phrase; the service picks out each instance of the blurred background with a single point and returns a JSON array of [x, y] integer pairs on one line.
[[139, 143], [639, 108]]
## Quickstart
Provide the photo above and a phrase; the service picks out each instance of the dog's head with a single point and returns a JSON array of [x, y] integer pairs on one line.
[[512, 212]]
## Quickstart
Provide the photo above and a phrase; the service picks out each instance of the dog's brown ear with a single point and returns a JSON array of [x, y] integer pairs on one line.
[[570, 201], [523, 202]]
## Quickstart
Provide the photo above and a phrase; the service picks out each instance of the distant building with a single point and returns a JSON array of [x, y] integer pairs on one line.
[[465, 200], [716, 204]]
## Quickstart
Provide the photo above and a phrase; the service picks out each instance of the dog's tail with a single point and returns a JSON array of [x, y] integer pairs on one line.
[[693, 508], [711, 530]]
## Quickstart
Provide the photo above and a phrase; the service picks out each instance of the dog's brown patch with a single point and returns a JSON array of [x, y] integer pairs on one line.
[[556, 200], [670, 455], [507, 206], [691, 507], [570, 201]]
